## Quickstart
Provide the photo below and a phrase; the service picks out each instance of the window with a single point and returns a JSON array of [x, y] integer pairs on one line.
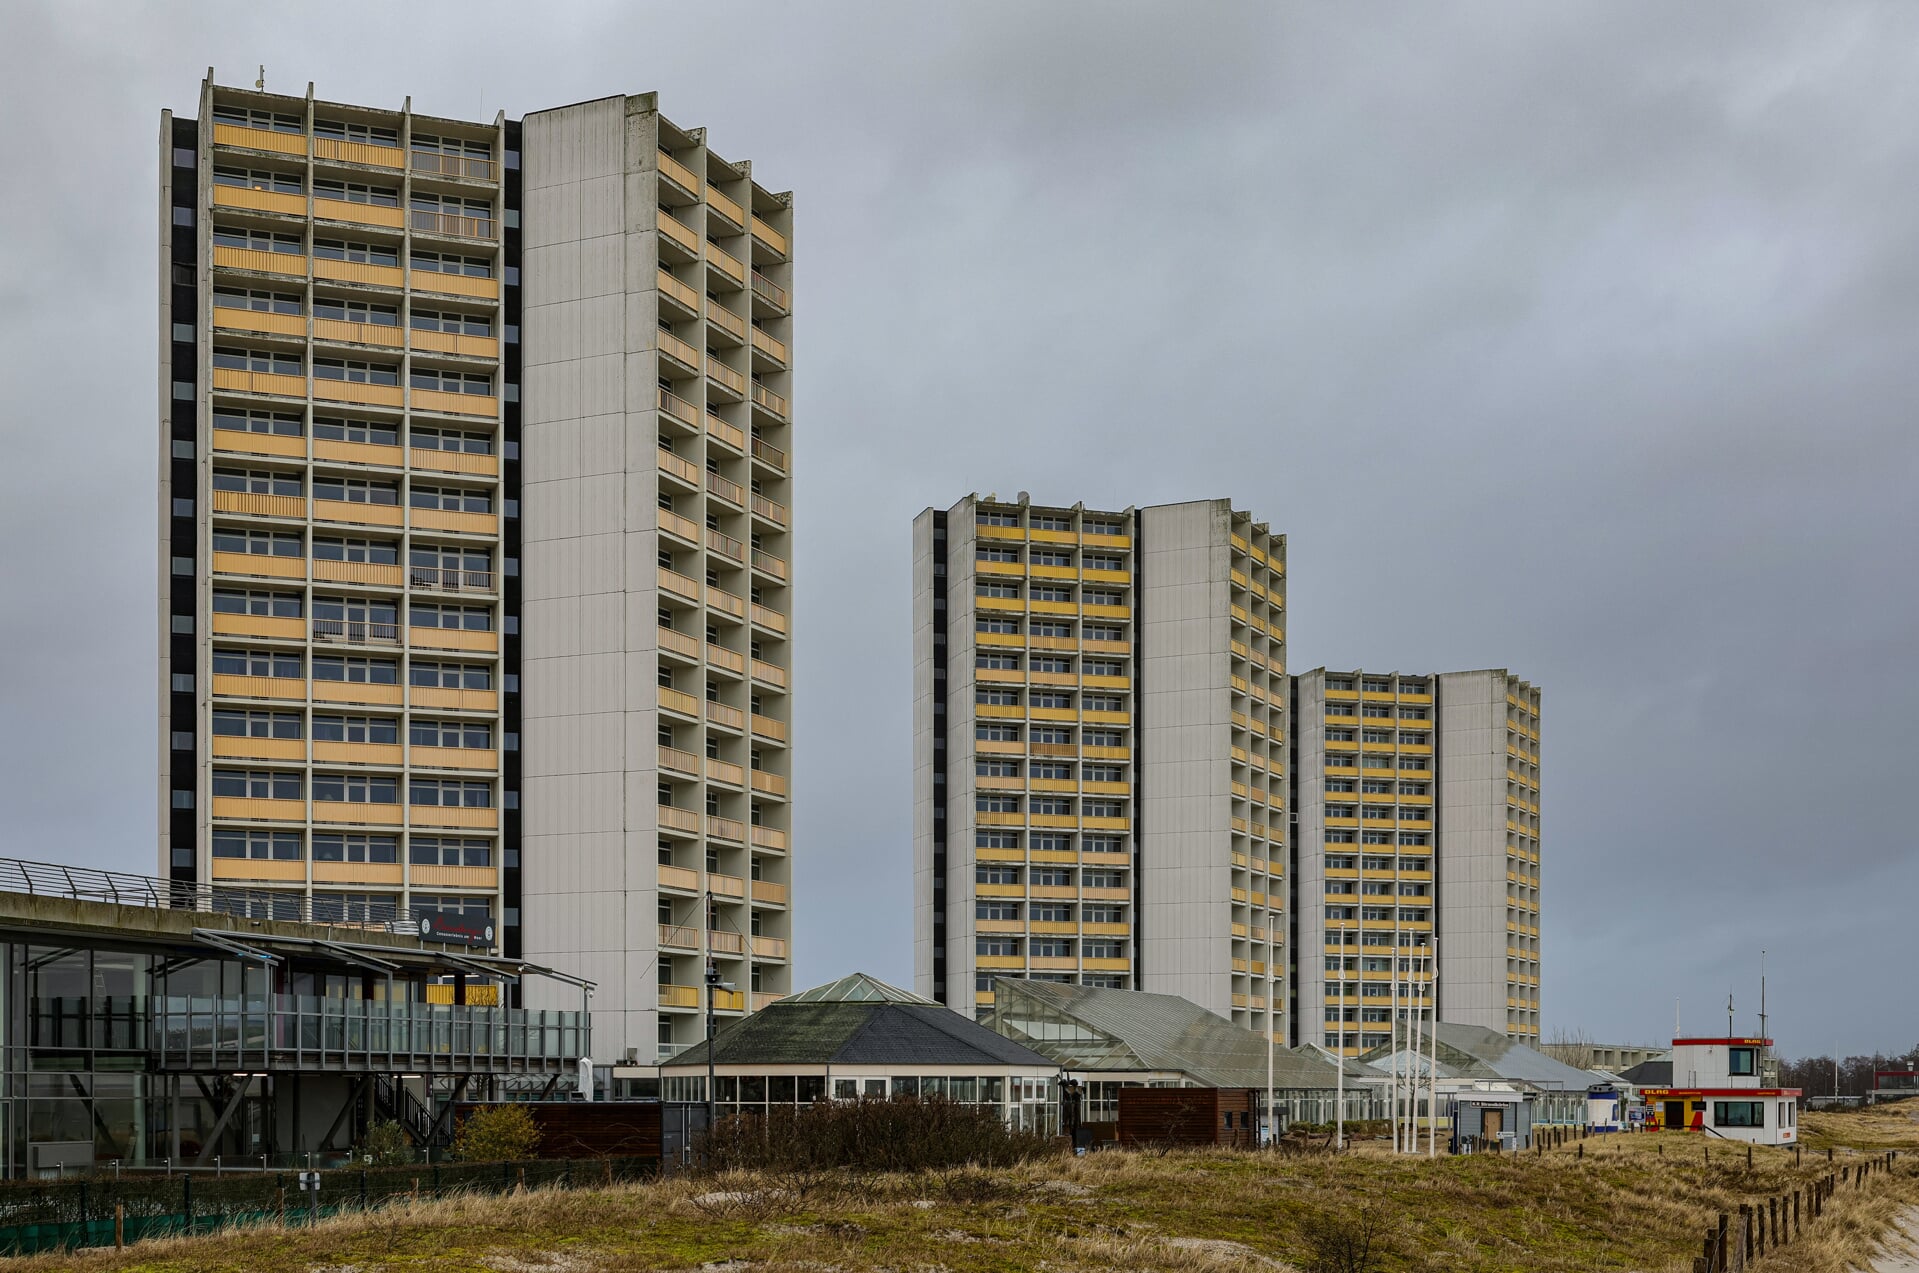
[[477, 735], [1376, 736], [380, 730], [356, 788], [998, 517], [995, 660], [451, 321], [995, 588], [996, 839], [366, 134], [467, 618], [452, 499], [1047, 521], [235, 723], [996, 910], [997, 698], [259, 302], [256, 663], [1104, 634], [257, 543], [279, 423], [451, 676], [997, 552], [1002, 947], [275, 605], [260, 846], [355, 908], [355, 312], [1105, 809], [996, 733], [996, 804], [374, 552], [452, 263], [1050, 700], [1738, 1113], [451, 381], [257, 241], [467, 905], [1101, 915], [427, 850], [1099, 598], [356, 670], [451, 793], [355, 490], [1742, 1062], [1052, 948], [996, 768], [1339, 736], [357, 252], [334, 429], [450, 440], [383, 849], [355, 617], [1102, 879], [241, 117], [995, 874], [357, 192], [356, 372], [268, 362], [256, 784], [256, 482], [258, 179], [1051, 628]]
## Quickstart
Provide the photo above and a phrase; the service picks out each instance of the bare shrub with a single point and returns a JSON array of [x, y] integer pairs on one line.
[[905, 1134], [1354, 1241]]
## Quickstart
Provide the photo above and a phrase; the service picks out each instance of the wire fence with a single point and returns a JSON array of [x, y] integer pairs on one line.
[[89, 884], [47, 1215]]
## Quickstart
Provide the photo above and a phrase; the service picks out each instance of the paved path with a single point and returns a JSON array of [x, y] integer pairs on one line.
[[1902, 1263]]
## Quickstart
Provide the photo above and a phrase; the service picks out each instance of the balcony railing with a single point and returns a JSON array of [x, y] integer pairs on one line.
[[769, 291], [770, 673], [725, 376], [769, 454], [725, 262], [680, 409], [767, 237], [674, 347], [680, 936], [769, 618], [726, 545], [679, 291], [720, 431], [451, 224], [730, 491], [726, 320], [772, 510], [356, 630], [680, 175], [767, 562], [769, 401], [679, 761], [771, 346], [451, 579], [466, 167]]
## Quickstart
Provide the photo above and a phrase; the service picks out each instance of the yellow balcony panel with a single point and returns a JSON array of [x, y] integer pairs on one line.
[[227, 746], [1416, 749], [387, 873], [468, 758], [254, 625], [1004, 819], [1106, 753], [386, 335], [287, 263], [1091, 540], [358, 813], [678, 877], [988, 783], [998, 711], [988, 747], [366, 453], [244, 138], [484, 406], [1106, 859], [984, 531], [729, 435], [250, 200], [999, 961], [767, 838], [226, 378], [455, 285], [724, 716], [254, 869], [1065, 857], [1052, 891], [770, 619], [338, 150], [282, 688], [259, 566], [431, 697], [357, 513], [461, 523], [240, 442], [1054, 607], [1108, 682], [357, 393], [772, 403], [454, 343], [765, 236], [675, 231], [1106, 612], [441, 816], [453, 639], [678, 173], [769, 892], [455, 462], [229, 319], [374, 574], [454, 877], [1000, 890], [772, 347], [1105, 930], [679, 996], [769, 784], [769, 947], [1106, 788], [1106, 894], [1103, 824], [362, 273], [726, 263], [721, 657], [729, 829], [357, 213], [1102, 718], [726, 602], [1053, 963], [1052, 714], [1052, 572]]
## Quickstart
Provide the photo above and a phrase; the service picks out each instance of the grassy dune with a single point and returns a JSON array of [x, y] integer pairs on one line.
[[1623, 1205]]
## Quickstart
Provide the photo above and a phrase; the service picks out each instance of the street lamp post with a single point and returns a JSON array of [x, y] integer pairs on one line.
[[712, 1028]]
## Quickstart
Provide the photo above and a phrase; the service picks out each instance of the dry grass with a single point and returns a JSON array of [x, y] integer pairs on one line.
[[1624, 1205]]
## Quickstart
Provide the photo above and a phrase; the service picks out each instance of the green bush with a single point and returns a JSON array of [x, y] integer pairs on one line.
[[496, 1133], [386, 1145], [903, 1134]]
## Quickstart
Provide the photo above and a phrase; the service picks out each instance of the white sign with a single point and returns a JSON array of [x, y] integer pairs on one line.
[[586, 1077]]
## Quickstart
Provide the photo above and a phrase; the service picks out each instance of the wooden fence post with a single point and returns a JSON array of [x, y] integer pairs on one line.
[[1748, 1157], [1745, 1227], [1723, 1249], [1795, 1214], [119, 1226]]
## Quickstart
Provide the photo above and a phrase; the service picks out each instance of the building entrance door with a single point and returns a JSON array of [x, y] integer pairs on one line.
[[1492, 1121], [1676, 1115]]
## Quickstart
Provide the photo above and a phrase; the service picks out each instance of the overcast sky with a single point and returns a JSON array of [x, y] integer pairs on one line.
[[1577, 339]]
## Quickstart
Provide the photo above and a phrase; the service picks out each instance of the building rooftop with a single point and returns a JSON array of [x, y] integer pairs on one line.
[[1649, 1074], [858, 1020], [1121, 1031], [1476, 1052]]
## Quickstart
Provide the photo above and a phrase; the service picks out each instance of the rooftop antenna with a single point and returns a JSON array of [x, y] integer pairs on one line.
[[1729, 1014], [1762, 993], [261, 83]]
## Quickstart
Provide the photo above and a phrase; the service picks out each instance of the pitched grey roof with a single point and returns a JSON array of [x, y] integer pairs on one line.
[[1119, 1031], [857, 987], [1472, 1051], [1649, 1074], [870, 1031]]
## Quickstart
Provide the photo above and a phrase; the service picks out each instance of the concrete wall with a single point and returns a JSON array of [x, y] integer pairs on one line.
[[1309, 859], [590, 654], [1184, 738], [1471, 848], [923, 735]]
